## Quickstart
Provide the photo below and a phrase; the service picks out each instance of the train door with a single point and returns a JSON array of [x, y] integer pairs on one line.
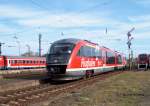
[[104, 57], [2, 65], [5, 62]]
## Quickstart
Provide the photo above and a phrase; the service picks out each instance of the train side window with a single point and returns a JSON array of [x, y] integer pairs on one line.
[[81, 52], [86, 51], [89, 52], [119, 59], [15, 61], [110, 58], [98, 53]]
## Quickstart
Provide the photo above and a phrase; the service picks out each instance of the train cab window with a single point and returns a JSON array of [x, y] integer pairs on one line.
[[61, 48], [110, 58], [119, 59]]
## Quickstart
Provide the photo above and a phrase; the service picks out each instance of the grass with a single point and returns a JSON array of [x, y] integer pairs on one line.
[[121, 90], [125, 89]]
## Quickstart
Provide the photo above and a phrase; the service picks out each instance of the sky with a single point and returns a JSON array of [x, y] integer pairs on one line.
[[21, 21]]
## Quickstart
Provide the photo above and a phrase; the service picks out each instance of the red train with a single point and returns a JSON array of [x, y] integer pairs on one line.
[[70, 59], [143, 61], [12, 62]]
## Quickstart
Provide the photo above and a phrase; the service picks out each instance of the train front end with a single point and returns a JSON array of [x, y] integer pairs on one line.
[[58, 59], [143, 61], [2, 62]]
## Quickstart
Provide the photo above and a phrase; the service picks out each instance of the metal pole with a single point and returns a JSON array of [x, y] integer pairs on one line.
[[39, 44], [19, 47], [129, 59], [28, 47], [1, 48], [18, 42]]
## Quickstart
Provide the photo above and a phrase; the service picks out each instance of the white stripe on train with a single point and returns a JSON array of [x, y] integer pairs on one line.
[[102, 67]]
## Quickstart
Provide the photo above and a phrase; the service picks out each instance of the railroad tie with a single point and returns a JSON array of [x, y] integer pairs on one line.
[[22, 100], [13, 103], [4, 105], [10, 96], [35, 96], [28, 98], [3, 97]]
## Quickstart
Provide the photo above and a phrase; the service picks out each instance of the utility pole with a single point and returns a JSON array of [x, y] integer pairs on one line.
[[1, 48], [130, 38], [28, 49], [40, 37], [19, 45]]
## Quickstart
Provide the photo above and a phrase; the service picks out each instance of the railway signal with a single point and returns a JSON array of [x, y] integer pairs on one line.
[[130, 38]]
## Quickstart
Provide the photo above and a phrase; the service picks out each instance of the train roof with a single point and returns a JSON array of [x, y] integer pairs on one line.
[[74, 41], [69, 40], [22, 57], [143, 54]]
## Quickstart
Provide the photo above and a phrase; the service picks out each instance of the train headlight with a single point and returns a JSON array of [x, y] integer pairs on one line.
[[52, 69], [55, 61]]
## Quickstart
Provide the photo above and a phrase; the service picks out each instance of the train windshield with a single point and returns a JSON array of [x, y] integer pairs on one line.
[[61, 48], [143, 57]]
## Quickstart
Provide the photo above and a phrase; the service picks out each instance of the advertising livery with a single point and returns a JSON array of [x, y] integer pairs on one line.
[[69, 59]]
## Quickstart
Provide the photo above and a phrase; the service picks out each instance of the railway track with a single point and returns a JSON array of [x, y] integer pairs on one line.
[[24, 97], [22, 73]]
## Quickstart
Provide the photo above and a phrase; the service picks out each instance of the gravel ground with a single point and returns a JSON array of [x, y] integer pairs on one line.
[[127, 89], [12, 84], [20, 81]]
